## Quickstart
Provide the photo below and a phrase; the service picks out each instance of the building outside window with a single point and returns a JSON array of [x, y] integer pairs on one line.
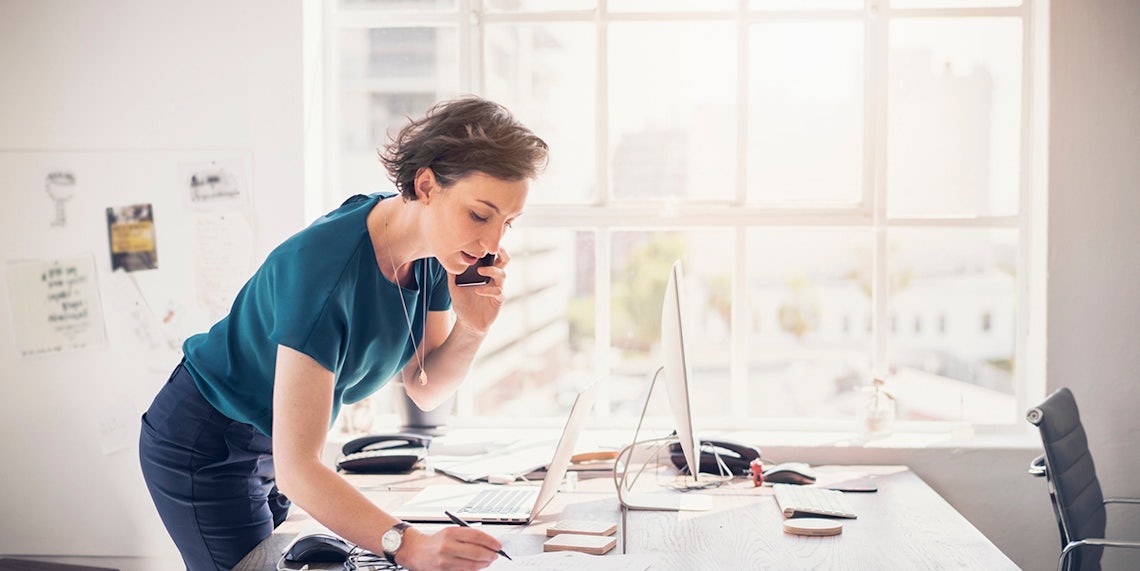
[[826, 170]]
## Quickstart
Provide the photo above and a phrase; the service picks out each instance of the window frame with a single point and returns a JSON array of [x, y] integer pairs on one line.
[[605, 215]]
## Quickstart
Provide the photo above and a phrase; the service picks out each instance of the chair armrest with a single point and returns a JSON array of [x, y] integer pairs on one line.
[[1133, 501], [1093, 542], [1037, 467]]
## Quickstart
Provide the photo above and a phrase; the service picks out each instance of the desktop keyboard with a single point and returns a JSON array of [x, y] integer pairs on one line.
[[804, 500]]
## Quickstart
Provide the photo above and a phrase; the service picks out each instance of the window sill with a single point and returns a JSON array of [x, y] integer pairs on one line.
[[813, 446]]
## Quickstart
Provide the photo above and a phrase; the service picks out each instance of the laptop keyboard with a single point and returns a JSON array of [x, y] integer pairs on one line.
[[506, 500]]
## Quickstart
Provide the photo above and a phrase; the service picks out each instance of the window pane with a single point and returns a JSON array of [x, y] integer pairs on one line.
[[539, 353], [400, 5], [805, 4], [809, 322], [954, 117], [672, 110], [387, 75], [953, 3], [640, 268], [952, 306], [805, 114], [670, 5], [534, 69], [539, 5]]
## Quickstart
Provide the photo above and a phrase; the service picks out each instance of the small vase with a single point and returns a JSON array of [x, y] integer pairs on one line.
[[432, 422], [878, 415]]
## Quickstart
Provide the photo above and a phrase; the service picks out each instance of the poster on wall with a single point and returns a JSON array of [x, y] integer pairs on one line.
[[55, 305], [131, 232]]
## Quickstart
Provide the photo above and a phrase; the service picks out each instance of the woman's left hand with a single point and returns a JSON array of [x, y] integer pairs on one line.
[[477, 307]]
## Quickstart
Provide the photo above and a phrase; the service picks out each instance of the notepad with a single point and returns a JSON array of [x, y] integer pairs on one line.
[[591, 544], [582, 527]]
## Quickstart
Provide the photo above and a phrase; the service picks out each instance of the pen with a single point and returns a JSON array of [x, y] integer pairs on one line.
[[462, 523]]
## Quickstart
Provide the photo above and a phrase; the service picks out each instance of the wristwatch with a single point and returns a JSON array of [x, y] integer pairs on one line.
[[393, 539]]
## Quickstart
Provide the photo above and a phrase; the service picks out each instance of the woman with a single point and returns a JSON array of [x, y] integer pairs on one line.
[[334, 312]]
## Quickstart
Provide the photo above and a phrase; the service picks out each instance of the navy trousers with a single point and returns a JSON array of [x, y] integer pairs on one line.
[[210, 477]]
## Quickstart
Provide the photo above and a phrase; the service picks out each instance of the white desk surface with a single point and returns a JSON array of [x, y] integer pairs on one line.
[[905, 525]]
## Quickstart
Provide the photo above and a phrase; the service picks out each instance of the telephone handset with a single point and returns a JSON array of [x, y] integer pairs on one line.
[[395, 453], [737, 457]]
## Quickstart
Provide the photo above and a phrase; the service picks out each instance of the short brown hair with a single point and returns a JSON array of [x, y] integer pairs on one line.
[[458, 137]]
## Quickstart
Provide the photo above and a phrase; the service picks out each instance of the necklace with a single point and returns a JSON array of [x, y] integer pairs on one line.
[[423, 294]]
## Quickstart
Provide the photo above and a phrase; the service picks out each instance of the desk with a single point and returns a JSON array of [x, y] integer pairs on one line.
[[905, 525]]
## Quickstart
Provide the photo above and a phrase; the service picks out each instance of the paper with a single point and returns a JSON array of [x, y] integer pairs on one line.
[[556, 560], [132, 236], [60, 186], [223, 250], [125, 299], [55, 305], [117, 427], [215, 184]]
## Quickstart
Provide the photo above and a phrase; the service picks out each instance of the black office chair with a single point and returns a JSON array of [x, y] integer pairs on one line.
[[1077, 499]]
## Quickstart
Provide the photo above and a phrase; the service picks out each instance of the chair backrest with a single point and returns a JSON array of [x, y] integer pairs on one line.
[[1073, 485]]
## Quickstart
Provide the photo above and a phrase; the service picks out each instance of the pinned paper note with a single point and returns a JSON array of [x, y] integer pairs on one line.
[[55, 305]]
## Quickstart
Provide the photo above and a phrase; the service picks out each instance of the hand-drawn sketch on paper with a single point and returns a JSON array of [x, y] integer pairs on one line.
[[60, 186], [215, 184]]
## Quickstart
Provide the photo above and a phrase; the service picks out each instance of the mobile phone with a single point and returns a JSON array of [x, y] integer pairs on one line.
[[471, 276]]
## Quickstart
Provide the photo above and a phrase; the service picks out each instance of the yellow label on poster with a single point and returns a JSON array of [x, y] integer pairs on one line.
[[132, 237]]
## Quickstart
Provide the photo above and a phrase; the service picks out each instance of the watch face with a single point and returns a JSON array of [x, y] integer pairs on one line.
[[391, 540]]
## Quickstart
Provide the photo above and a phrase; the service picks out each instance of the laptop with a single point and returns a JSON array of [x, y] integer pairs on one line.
[[490, 503]]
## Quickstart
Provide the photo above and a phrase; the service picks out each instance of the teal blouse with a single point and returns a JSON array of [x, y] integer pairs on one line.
[[321, 293]]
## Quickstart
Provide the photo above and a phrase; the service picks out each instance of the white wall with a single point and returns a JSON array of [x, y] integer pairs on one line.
[[129, 88], [137, 74], [1094, 240]]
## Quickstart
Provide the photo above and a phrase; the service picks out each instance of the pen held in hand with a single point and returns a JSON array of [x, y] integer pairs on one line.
[[454, 518]]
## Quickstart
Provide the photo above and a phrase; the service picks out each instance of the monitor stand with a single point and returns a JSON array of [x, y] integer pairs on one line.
[[655, 500]]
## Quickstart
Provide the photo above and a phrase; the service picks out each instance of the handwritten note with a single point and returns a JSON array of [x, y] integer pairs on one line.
[[55, 305], [223, 251]]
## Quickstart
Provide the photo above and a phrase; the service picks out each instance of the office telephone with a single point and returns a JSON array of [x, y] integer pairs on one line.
[[736, 457], [395, 453]]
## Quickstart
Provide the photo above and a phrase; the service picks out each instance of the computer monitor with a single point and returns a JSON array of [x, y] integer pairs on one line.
[[676, 371]]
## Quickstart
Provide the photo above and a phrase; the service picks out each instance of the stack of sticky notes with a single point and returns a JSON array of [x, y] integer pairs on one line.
[[593, 537]]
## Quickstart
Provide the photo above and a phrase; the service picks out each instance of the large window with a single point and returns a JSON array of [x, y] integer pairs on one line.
[[847, 183]]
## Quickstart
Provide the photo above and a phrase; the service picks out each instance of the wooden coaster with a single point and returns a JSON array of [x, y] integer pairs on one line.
[[812, 526]]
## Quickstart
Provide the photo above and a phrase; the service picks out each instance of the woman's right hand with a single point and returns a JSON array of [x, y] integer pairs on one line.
[[451, 549]]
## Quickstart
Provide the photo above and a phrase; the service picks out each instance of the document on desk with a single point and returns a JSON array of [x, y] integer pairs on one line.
[[516, 460], [572, 560]]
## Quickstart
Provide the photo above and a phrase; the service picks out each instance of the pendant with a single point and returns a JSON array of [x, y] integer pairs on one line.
[[423, 377]]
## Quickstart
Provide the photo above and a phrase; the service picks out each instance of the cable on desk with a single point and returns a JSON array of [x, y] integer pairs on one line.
[[361, 560], [358, 560], [724, 476]]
